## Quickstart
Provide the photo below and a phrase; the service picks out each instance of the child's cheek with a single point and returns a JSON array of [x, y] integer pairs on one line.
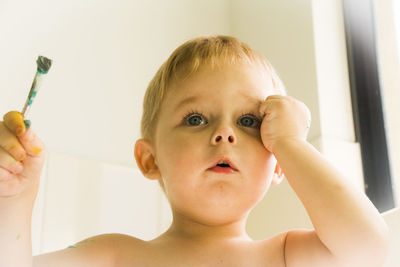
[[184, 154]]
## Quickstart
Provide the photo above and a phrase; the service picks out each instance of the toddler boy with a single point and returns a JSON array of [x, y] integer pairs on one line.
[[217, 130]]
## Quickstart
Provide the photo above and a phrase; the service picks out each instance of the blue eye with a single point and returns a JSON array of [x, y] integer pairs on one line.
[[249, 121], [194, 119]]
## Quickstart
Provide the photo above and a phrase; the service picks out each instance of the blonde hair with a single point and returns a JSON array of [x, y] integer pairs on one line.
[[186, 60]]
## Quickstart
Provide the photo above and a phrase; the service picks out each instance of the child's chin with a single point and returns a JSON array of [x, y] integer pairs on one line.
[[217, 217]]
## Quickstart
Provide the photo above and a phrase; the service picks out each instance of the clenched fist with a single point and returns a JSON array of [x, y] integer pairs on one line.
[[285, 118], [21, 157]]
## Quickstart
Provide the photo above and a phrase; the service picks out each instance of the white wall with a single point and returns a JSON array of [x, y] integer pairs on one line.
[[81, 197], [392, 218]]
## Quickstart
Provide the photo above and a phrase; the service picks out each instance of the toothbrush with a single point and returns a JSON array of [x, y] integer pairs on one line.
[[43, 66]]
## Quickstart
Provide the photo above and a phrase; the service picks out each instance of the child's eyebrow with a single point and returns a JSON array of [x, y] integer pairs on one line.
[[248, 99], [186, 101]]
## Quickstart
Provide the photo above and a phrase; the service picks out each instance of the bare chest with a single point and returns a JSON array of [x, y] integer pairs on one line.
[[254, 255], [210, 261]]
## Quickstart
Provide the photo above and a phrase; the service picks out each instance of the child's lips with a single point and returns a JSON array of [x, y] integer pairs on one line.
[[226, 160], [226, 170]]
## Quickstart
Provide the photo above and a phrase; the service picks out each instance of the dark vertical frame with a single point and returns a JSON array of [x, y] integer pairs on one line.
[[366, 101]]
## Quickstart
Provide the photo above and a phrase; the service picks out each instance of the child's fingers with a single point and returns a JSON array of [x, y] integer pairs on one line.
[[8, 163], [14, 121], [275, 97], [266, 108], [10, 143], [32, 144]]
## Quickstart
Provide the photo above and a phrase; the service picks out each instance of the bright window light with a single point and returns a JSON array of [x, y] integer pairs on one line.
[[396, 10]]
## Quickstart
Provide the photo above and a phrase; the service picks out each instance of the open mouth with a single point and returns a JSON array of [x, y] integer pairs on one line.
[[220, 169], [223, 166]]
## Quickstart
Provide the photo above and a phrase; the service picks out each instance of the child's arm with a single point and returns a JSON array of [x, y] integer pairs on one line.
[[349, 231], [21, 163], [20, 166], [345, 220]]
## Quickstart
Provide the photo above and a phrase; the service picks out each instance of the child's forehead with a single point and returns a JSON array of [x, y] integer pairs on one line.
[[199, 91], [206, 72], [198, 86], [248, 99], [190, 68]]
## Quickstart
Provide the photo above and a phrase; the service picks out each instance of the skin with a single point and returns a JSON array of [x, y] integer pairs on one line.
[[209, 206]]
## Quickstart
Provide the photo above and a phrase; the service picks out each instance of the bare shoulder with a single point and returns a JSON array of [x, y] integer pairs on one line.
[[118, 249], [127, 250], [101, 251], [121, 244]]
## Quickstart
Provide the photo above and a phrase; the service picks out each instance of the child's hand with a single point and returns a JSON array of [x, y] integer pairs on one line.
[[285, 118], [21, 157]]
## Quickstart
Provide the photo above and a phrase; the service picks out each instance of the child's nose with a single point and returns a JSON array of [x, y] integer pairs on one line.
[[223, 135]]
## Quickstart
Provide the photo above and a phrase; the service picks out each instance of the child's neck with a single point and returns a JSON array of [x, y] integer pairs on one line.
[[185, 229]]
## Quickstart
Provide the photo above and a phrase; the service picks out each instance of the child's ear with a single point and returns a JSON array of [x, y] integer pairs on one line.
[[278, 175], [144, 155]]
